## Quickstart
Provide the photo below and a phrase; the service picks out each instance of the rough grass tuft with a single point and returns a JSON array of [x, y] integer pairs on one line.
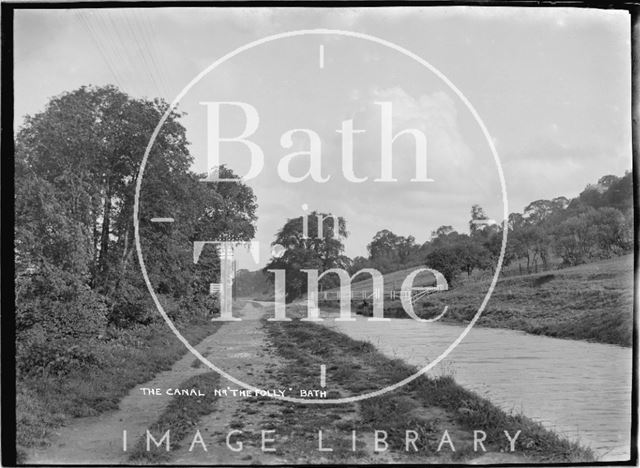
[[426, 405]]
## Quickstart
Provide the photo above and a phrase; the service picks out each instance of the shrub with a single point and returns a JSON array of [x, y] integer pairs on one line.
[[58, 318], [130, 306], [37, 352]]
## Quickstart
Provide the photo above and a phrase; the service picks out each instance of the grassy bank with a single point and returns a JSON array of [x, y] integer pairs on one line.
[[44, 402], [427, 405], [589, 302]]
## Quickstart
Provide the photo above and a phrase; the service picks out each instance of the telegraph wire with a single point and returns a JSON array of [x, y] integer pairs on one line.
[[102, 51]]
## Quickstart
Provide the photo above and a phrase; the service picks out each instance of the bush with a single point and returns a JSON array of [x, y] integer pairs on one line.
[[37, 352], [196, 305], [58, 319], [60, 304]]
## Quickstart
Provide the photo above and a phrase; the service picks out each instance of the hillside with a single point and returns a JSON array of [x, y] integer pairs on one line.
[[589, 302]]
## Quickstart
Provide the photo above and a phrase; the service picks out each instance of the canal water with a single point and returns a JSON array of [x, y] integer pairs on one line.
[[580, 390]]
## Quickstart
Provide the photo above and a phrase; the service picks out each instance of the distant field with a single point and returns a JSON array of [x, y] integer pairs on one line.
[[589, 302], [392, 282], [363, 283]]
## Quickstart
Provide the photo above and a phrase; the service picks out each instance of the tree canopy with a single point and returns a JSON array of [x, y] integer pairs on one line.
[[310, 251], [76, 165]]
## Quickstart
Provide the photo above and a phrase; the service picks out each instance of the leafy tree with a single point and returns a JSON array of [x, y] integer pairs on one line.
[[446, 259], [534, 244], [477, 214], [314, 252], [45, 233], [445, 236], [58, 316], [358, 263], [608, 180], [389, 251], [539, 211], [463, 254], [594, 234], [516, 221], [591, 197], [619, 193], [572, 240], [76, 167], [88, 145], [442, 231], [493, 245], [472, 255]]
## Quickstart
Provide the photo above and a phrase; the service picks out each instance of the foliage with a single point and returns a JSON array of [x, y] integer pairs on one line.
[[310, 251], [76, 165], [57, 320], [389, 252], [597, 233], [445, 259], [596, 224]]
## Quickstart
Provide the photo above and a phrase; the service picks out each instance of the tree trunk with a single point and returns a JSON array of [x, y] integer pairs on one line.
[[124, 261], [104, 236]]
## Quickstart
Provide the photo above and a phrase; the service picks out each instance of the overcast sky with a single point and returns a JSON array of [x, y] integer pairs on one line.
[[551, 85]]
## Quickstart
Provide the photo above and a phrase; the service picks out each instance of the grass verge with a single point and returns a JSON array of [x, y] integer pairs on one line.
[[45, 402], [427, 405]]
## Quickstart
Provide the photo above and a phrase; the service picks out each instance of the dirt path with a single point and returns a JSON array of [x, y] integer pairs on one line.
[[98, 439], [243, 349], [248, 358]]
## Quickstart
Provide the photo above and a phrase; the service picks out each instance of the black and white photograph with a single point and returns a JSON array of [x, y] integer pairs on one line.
[[318, 234]]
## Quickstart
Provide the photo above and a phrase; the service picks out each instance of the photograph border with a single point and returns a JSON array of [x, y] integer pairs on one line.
[[7, 188]]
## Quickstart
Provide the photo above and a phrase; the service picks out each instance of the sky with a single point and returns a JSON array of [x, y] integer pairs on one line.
[[551, 86]]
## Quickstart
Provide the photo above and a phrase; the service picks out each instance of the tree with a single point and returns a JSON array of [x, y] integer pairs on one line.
[[493, 246], [538, 211], [89, 143], [608, 180], [358, 263], [315, 252], [610, 231], [389, 251], [384, 244], [477, 214], [472, 255], [619, 193], [445, 236], [516, 221], [594, 234], [45, 233], [572, 240], [76, 167], [442, 231], [446, 260]]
